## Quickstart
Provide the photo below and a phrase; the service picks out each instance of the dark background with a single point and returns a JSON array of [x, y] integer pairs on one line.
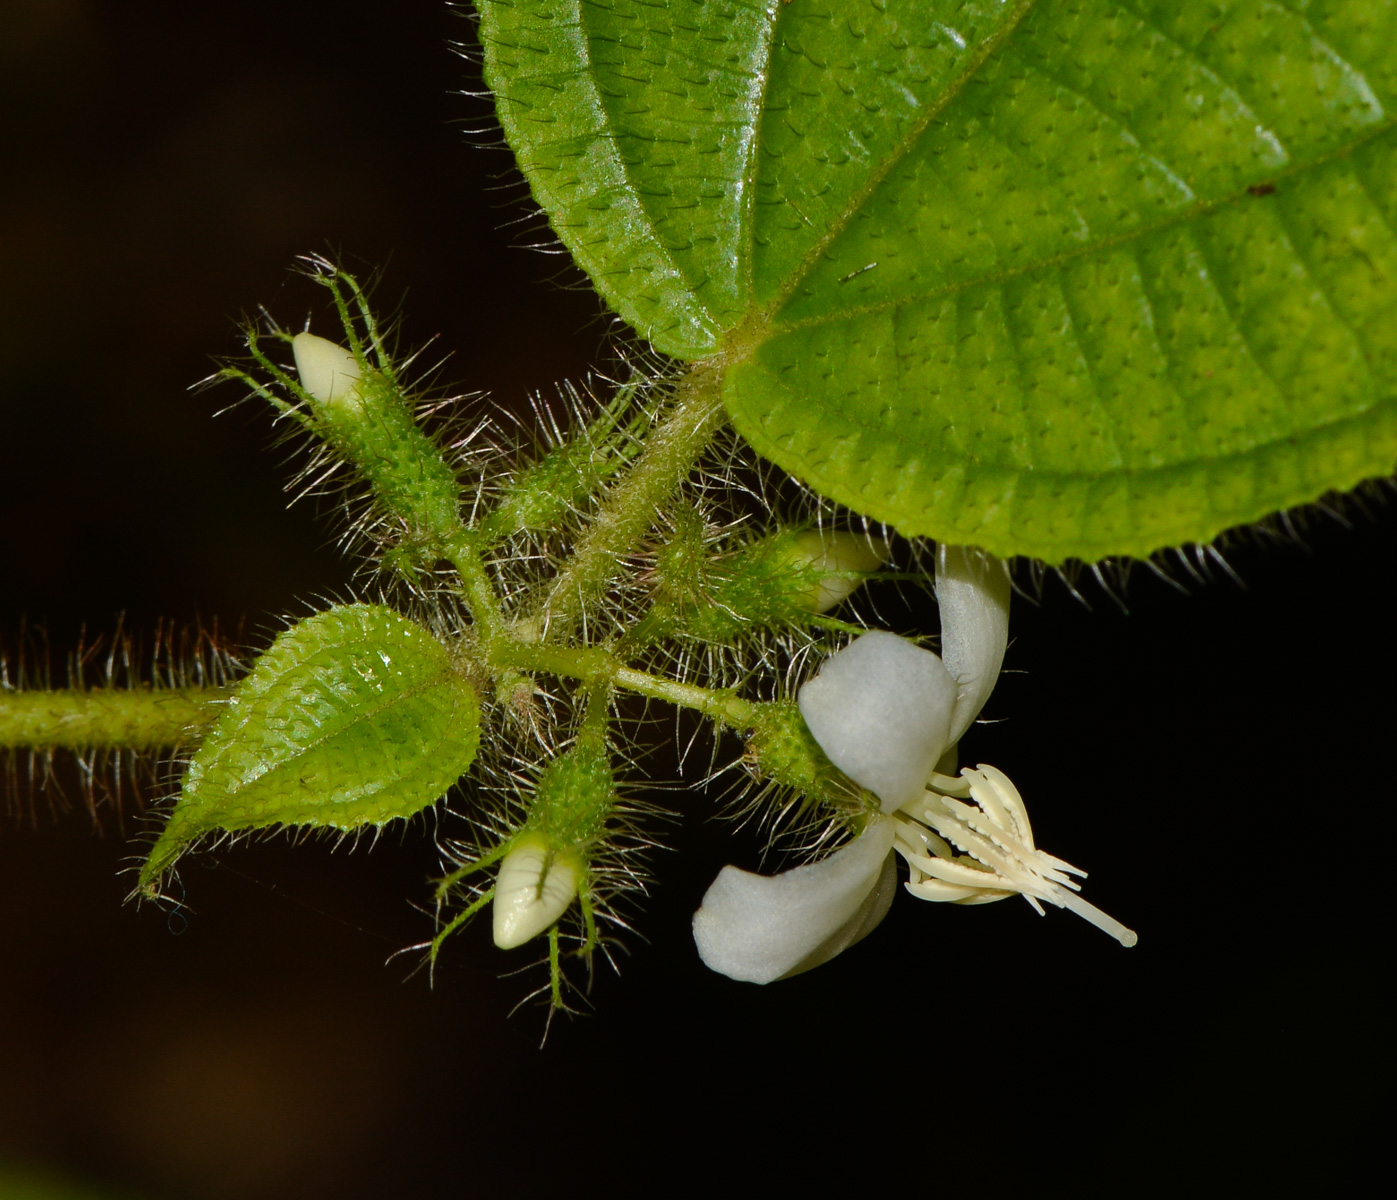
[[1220, 760]]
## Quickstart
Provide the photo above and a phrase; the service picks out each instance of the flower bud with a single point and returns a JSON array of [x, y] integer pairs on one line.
[[784, 578], [535, 885], [329, 372], [363, 414], [839, 559], [547, 864]]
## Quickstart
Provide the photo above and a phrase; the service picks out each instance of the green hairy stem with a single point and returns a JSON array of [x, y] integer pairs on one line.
[[628, 510], [106, 718]]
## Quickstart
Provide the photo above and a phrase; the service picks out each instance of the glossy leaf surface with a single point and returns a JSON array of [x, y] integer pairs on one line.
[[1069, 279], [354, 717]]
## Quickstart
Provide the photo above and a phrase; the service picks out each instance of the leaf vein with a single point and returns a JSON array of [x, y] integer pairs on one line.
[[751, 160], [1180, 217], [899, 152]]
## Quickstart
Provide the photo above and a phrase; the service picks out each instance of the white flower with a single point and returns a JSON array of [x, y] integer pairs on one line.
[[888, 714]]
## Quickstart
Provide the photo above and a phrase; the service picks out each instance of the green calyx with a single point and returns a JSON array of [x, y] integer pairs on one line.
[[574, 796], [560, 485], [785, 579], [351, 399], [405, 471], [783, 756]]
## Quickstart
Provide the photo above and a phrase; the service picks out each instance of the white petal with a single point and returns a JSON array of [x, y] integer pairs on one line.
[[881, 710], [533, 889], [759, 928], [972, 591], [328, 372]]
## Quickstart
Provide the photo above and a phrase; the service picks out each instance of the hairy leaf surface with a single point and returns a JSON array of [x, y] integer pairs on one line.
[[1065, 278], [354, 717]]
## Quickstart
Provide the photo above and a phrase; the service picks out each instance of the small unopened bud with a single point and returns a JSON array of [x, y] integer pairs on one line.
[[534, 888], [841, 560], [330, 373]]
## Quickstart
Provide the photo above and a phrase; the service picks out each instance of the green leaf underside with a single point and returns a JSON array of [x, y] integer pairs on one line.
[[355, 716], [1066, 279]]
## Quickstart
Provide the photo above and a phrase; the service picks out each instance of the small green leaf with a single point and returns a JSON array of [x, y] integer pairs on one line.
[[354, 717], [1065, 278]]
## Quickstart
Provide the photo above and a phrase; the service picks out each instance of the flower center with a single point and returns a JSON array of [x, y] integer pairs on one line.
[[997, 855]]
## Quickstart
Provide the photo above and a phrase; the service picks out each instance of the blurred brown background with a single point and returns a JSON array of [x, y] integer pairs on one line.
[[1220, 761]]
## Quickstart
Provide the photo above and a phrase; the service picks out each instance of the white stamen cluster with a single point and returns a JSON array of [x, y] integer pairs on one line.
[[997, 842]]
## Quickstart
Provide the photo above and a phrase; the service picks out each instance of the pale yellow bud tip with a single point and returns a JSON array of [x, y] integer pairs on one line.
[[534, 888], [841, 557], [330, 373]]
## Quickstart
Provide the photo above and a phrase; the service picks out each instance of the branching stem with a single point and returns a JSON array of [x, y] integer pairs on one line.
[[628, 510], [597, 667], [463, 553]]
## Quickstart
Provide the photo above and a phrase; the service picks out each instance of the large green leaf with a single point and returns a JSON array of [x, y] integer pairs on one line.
[[355, 716], [1068, 278]]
